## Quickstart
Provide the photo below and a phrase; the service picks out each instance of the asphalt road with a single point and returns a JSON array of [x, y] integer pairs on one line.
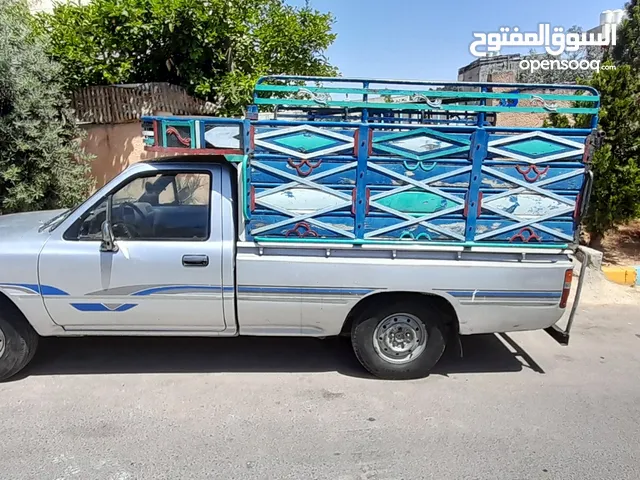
[[516, 407]]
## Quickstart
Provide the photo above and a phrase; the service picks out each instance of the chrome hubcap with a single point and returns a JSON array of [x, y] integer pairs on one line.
[[400, 338], [3, 343]]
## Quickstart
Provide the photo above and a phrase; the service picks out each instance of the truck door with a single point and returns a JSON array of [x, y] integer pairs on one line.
[[166, 274]]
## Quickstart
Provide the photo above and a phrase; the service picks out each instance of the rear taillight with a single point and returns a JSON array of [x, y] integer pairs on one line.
[[566, 288]]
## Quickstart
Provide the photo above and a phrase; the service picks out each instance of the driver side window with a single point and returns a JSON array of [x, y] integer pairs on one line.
[[156, 207]]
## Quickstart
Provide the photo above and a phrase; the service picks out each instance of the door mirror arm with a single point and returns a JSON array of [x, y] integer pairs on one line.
[[108, 243]]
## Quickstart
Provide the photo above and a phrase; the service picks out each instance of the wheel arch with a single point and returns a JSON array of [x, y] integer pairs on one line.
[[440, 302], [32, 312]]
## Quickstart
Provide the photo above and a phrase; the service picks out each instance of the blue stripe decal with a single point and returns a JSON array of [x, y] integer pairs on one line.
[[50, 291], [151, 291], [101, 307], [305, 290], [47, 290], [503, 294]]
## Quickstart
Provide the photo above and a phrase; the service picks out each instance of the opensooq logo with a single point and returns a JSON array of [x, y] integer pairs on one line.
[[554, 40]]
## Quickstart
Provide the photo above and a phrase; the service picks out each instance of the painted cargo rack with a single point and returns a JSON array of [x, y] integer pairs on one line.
[[386, 161]]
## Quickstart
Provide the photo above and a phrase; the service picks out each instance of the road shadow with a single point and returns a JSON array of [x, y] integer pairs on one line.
[[109, 355]]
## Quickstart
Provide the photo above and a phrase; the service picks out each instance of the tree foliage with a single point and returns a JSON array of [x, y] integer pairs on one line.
[[627, 48], [216, 49], [616, 165], [41, 164]]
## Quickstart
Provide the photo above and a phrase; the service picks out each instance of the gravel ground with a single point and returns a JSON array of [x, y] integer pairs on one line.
[[517, 406]]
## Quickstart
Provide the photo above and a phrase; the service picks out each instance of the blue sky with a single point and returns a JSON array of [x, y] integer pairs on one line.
[[429, 39]]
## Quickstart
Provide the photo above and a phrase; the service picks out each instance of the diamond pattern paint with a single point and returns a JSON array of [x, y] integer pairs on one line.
[[300, 201], [528, 206], [420, 144], [305, 142], [536, 148], [416, 203]]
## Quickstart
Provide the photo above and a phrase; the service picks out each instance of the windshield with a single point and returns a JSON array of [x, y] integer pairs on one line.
[[55, 221]]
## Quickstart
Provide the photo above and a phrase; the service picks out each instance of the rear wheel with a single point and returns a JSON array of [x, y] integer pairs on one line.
[[400, 341], [18, 343]]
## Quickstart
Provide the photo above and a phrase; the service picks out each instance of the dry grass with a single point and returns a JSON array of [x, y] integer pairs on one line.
[[622, 247]]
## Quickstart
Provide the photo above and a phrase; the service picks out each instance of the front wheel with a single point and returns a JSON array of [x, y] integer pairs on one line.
[[400, 341], [18, 343]]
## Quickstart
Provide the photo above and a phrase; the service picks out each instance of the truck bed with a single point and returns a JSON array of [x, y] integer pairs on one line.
[[404, 163]]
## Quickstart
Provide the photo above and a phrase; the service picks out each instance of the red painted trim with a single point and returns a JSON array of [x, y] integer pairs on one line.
[[186, 141], [587, 150], [465, 211], [576, 210], [527, 171], [356, 140], [301, 229], [370, 151], [368, 196], [156, 138], [531, 237], [252, 142], [353, 201], [311, 166]]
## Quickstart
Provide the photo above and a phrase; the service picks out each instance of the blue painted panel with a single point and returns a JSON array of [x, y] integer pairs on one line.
[[425, 171], [309, 141], [299, 200], [409, 155], [420, 143], [537, 173], [520, 234], [455, 224], [536, 148], [302, 229]]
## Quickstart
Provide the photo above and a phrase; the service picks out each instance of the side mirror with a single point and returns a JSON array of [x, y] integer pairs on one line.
[[108, 243]]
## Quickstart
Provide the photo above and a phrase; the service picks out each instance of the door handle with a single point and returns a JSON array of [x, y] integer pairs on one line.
[[195, 260]]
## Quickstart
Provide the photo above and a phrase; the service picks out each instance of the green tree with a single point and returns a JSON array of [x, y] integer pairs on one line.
[[41, 163], [627, 48], [216, 49], [616, 165]]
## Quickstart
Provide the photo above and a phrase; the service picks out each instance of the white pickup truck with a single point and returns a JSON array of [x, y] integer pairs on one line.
[[379, 221]]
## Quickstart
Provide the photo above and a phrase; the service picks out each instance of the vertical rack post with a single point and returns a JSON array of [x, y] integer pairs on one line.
[[365, 98], [477, 154], [481, 115], [360, 199]]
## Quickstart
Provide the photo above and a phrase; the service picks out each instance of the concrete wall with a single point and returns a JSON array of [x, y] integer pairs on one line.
[[523, 119], [115, 147]]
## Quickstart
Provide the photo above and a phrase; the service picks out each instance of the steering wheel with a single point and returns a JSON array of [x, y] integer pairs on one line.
[[129, 230], [134, 207]]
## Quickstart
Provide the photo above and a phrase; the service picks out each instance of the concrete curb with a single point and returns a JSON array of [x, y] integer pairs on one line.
[[616, 274], [621, 275]]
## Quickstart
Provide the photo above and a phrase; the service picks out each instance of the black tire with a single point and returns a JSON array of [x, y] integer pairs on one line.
[[20, 342], [362, 339]]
